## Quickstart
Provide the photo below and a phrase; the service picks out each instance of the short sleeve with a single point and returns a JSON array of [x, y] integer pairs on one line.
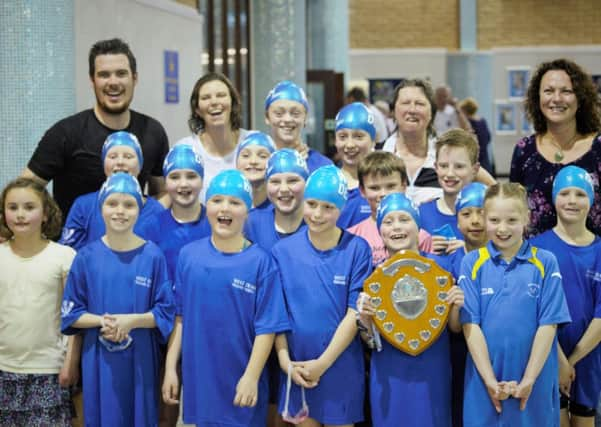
[[361, 269], [470, 312], [68, 254], [271, 315], [75, 230], [75, 296], [553, 308], [48, 159], [163, 308]]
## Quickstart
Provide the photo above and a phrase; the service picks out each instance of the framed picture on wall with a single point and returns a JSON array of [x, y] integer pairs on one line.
[[526, 127], [505, 118], [517, 82], [382, 89], [597, 82]]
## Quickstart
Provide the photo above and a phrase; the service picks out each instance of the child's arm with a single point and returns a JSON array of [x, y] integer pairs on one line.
[[174, 348], [298, 373], [588, 342], [567, 374], [455, 298], [543, 340], [69, 373], [247, 387], [118, 326]]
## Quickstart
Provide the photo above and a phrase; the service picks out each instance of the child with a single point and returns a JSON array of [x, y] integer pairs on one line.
[[231, 303], [118, 295], [380, 174], [322, 271], [286, 109], [121, 152], [251, 159], [456, 166], [513, 303], [355, 135], [577, 251], [34, 369], [286, 175], [423, 382], [186, 220]]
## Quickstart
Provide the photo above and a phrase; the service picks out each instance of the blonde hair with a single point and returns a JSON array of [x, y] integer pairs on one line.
[[459, 138], [469, 106], [508, 190]]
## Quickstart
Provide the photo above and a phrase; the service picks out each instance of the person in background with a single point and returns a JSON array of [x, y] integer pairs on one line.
[[448, 116], [469, 107], [251, 159], [356, 94]]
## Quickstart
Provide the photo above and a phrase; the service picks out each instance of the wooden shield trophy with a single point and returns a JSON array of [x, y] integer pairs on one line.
[[409, 293]]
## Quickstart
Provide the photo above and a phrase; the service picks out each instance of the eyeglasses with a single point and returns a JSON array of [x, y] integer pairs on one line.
[[115, 346], [301, 415]]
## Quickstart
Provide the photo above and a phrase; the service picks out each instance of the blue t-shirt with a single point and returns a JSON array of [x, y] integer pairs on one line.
[[84, 223], [225, 301], [171, 236], [354, 211], [121, 386], [580, 268], [316, 160], [431, 219], [319, 287], [260, 228], [510, 301]]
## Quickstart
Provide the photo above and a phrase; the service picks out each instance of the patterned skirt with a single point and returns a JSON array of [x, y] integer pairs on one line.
[[33, 400]]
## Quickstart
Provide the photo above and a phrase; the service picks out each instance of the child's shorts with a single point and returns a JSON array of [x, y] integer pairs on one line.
[[575, 408]]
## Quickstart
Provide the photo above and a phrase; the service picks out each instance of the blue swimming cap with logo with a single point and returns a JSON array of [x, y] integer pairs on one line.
[[286, 90], [287, 160], [123, 138], [395, 202], [574, 176], [183, 156], [256, 138], [121, 182], [471, 196], [356, 116], [327, 184], [231, 182]]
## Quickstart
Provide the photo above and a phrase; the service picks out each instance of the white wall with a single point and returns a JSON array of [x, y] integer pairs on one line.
[[149, 27]]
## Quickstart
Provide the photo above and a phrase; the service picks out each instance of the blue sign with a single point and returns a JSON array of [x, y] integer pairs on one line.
[[171, 77]]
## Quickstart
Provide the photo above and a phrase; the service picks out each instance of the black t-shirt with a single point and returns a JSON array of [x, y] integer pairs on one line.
[[69, 154]]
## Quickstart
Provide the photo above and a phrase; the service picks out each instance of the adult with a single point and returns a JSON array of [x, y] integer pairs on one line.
[[215, 122], [356, 94], [448, 116], [563, 107], [414, 140], [469, 107], [69, 153]]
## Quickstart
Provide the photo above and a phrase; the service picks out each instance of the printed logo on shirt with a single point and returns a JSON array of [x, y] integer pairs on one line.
[[339, 280], [487, 291], [595, 276], [365, 209], [67, 235], [244, 286], [66, 308], [533, 290], [143, 281]]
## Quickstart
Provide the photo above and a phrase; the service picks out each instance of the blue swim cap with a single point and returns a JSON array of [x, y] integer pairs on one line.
[[328, 185], [121, 182], [573, 176], [256, 138], [287, 160], [471, 195], [183, 156], [286, 90], [123, 138], [231, 182], [395, 202], [356, 116]]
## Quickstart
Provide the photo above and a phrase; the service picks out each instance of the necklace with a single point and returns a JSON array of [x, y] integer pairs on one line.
[[559, 154]]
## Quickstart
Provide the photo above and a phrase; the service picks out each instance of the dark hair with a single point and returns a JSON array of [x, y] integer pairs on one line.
[[587, 116], [381, 163], [426, 88], [51, 228], [110, 47], [357, 94], [195, 122]]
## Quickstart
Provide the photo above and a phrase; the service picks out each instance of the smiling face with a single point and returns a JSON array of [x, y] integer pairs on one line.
[[412, 110], [113, 83], [252, 162], [558, 102], [214, 104], [377, 186], [454, 169], [287, 120], [183, 187], [470, 222], [24, 212], [572, 205], [121, 158], [120, 212], [227, 215], [285, 191], [352, 146], [506, 220], [399, 231], [320, 216]]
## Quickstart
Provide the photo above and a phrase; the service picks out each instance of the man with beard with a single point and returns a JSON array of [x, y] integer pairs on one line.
[[69, 153]]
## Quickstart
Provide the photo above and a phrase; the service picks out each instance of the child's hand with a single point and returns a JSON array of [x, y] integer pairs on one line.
[[313, 370], [69, 373], [299, 376], [365, 309], [522, 392], [453, 245], [455, 296], [567, 374], [439, 244], [247, 392], [506, 389], [119, 324], [495, 393], [170, 387]]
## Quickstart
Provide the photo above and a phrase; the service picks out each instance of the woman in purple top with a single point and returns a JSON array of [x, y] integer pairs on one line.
[[563, 107]]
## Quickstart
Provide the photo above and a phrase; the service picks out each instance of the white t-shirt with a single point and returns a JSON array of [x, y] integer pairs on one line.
[[212, 164], [379, 123], [446, 119], [31, 292]]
